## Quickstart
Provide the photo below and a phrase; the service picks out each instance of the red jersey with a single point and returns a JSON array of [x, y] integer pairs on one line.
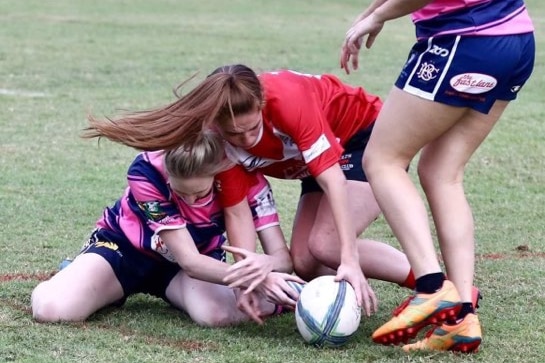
[[306, 120]]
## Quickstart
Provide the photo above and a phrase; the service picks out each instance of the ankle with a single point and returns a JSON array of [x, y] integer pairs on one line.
[[430, 283]]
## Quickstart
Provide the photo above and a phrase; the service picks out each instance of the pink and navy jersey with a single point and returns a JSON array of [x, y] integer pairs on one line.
[[306, 120], [149, 206], [472, 17]]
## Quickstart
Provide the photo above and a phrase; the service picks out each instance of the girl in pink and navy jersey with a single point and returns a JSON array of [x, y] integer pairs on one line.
[[471, 59], [164, 237]]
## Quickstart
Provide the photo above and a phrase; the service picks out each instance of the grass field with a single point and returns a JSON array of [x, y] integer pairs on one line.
[[61, 59]]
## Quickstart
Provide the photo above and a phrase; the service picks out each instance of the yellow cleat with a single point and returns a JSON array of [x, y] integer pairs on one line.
[[417, 312], [463, 337]]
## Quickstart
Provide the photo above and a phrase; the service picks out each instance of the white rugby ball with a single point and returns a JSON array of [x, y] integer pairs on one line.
[[327, 312]]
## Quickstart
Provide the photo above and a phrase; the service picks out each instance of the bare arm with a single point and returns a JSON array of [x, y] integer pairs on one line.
[[180, 243], [369, 24], [393, 9], [333, 182], [240, 227], [274, 245], [375, 4]]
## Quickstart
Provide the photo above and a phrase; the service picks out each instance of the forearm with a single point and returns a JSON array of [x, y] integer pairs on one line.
[[275, 247], [338, 201], [393, 9], [281, 263], [374, 5], [202, 267], [206, 268], [240, 227]]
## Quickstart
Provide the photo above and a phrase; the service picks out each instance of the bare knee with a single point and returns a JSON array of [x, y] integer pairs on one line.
[[305, 265], [433, 176], [215, 316], [45, 305]]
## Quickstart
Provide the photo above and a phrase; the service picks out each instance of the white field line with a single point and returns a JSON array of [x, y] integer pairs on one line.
[[20, 93]]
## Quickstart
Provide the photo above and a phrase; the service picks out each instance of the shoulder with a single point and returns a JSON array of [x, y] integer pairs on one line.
[[148, 168]]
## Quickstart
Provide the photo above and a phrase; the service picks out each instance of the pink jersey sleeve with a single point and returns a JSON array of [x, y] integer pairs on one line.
[[261, 200]]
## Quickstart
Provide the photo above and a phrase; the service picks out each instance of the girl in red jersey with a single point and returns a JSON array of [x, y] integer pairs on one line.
[[287, 125], [470, 60]]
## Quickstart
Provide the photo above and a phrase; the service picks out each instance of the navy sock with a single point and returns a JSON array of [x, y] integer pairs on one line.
[[430, 283], [467, 308]]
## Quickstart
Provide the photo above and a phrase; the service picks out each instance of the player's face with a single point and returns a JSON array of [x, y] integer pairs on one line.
[[245, 130], [194, 191]]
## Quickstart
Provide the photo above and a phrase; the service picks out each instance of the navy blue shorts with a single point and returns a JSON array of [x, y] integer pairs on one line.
[[136, 271], [350, 161], [469, 71]]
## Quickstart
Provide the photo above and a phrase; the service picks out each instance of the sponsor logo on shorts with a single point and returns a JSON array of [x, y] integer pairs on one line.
[[474, 83], [110, 245], [344, 162], [427, 71], [442, 52]]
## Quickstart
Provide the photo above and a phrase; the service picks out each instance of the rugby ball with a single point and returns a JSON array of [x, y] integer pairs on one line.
[[327, 312]]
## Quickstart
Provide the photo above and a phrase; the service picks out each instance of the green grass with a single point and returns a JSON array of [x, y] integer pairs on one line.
[[61, 59]]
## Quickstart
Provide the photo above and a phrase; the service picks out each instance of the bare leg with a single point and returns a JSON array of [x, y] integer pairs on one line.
[[305, 264], [209, 304], [378, 260], [441, 172], [393, 144], [74, 293]]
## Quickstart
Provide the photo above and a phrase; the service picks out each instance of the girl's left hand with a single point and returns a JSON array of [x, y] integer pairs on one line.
[[248, 303]]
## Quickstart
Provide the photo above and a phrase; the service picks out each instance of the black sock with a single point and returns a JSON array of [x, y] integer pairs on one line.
[[467, 308], [430, 283]]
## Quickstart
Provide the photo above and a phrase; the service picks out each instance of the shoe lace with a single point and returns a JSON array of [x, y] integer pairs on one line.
[[403, 305]]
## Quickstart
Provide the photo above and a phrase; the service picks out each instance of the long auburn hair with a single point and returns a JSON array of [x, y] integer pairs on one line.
[[229, 91]]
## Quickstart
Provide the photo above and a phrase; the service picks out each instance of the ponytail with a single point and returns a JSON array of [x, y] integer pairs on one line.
[[227, 92]]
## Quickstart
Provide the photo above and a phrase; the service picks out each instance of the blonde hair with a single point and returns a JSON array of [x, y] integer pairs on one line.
[[205, 157], [227, 92]]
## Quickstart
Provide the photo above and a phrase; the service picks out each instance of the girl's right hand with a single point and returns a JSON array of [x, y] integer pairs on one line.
[[369, 26]]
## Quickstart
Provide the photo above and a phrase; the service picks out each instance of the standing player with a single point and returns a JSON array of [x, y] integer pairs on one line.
[[288, 125], [471, 58], [164, 237]]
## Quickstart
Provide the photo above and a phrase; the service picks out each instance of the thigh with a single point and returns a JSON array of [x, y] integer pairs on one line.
[[398, 135], [83, 287], [362, 206], [444, 159]]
